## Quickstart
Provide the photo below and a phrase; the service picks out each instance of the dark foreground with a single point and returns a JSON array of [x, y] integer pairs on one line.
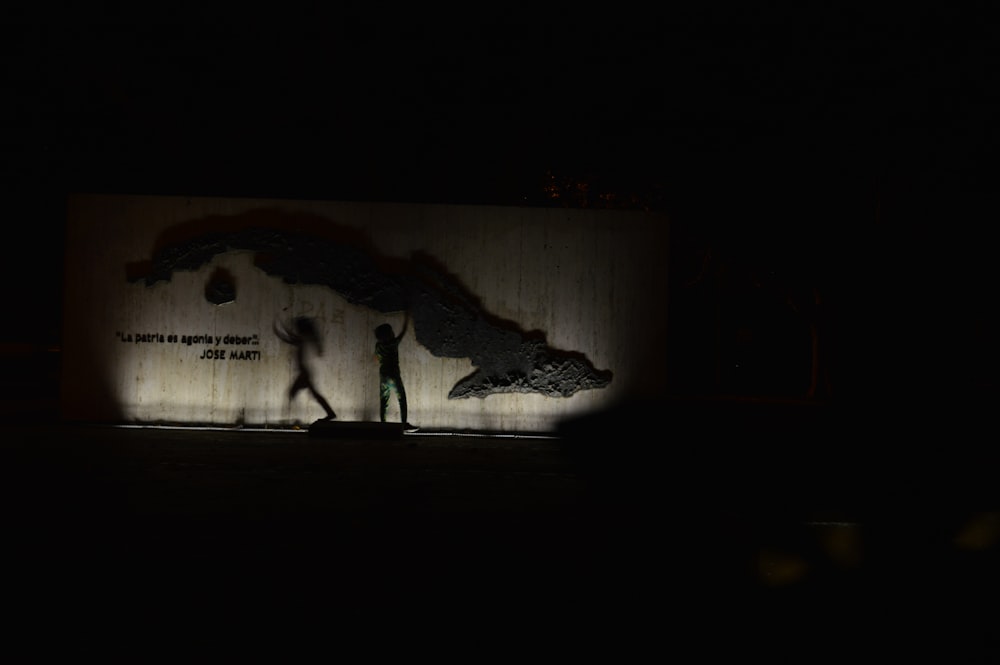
[[216, 545]]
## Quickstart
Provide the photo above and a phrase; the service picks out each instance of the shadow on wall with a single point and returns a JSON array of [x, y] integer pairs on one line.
[[301, 333], [448, 320]]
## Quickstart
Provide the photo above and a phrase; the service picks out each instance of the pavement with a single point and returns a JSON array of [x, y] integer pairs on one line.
[[151, 538], [602, 540]]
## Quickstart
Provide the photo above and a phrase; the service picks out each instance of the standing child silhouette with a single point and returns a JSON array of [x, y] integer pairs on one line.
[[387, 354]]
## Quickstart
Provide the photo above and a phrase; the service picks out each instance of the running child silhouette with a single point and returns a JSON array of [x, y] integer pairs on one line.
[[387, 354], [301, 334]]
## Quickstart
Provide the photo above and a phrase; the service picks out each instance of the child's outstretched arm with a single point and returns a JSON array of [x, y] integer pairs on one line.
[[406, 322], [282, 332]]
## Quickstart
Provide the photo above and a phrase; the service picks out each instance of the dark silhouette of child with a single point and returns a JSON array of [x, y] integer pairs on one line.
[[387, 354], [301, 334]]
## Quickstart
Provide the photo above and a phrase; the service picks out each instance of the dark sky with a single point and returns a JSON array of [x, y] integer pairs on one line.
[[789, 124], [330, 103]]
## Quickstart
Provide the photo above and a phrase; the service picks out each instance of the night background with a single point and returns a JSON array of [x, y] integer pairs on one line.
[[829, 168], [845, 152]]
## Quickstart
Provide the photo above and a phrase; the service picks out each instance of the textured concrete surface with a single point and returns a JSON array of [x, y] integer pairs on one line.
[[446, 320], [518, 317]]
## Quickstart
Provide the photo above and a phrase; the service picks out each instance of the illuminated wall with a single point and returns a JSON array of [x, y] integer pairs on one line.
[[516, 317]]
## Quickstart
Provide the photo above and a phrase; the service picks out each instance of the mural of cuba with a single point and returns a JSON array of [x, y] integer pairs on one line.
[[262, 313]]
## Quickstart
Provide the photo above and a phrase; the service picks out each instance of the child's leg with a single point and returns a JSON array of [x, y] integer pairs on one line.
[[330, 415], [301, 382], [401, 393], [385, 386]]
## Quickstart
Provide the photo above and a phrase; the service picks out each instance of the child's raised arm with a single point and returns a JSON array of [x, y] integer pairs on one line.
[[406, 322]]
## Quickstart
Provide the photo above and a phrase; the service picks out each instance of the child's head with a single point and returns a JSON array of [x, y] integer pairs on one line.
[[306, 329], [383, 333]]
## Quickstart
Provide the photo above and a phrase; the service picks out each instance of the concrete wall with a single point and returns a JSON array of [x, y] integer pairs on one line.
[[586, 288]]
